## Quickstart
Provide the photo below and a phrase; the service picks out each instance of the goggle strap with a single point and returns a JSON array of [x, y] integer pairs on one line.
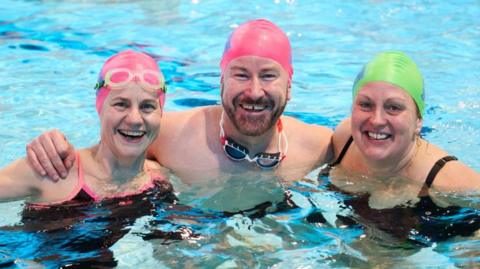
[[222, 132], [99, 84], [282, 134], [279, 125]]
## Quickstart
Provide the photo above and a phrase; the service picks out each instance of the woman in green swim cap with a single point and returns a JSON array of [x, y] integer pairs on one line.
[[379, 148]]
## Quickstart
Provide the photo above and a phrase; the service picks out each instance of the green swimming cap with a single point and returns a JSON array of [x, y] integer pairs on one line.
[[397, 68]]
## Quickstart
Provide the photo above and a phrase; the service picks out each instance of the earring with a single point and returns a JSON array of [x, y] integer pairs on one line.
[[418, 141]]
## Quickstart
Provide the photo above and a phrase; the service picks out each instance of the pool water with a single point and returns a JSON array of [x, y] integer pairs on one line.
[[51, 52]]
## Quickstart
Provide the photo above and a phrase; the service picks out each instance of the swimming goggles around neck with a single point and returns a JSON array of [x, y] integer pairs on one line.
[[149, 80], [237, 152]]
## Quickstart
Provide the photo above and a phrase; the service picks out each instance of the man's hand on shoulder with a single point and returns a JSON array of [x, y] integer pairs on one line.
[[51, 155]]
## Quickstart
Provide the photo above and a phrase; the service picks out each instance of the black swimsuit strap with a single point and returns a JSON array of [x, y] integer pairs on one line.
[[343, 152], [436, 168]]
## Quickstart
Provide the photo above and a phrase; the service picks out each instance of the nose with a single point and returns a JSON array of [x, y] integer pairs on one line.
[[255, 89], [134, 117], [378, 118]]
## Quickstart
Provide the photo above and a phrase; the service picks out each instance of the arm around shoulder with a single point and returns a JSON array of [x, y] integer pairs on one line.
[[169, 128], [340, 136], [324, 138], [313, 140]]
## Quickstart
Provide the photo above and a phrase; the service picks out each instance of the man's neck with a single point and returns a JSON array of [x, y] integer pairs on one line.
[[266, 142]]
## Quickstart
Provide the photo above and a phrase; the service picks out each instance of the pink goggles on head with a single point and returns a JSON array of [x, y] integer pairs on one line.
[[149, 80]]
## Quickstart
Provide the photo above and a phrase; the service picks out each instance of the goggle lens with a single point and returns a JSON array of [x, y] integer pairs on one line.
[[237, 152], [119, 77], [151, 79], [234, 153], [148, 79], [268, 160]]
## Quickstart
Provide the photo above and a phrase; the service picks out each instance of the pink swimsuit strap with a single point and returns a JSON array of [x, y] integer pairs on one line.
[[76, 190], [81, 185]]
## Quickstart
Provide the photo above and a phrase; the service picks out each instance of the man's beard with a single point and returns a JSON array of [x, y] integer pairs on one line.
[[254, 125]]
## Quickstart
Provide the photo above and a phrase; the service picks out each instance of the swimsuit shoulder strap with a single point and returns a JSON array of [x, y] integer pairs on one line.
[[436, 168], [325, 171], [80, 181], [88, 193], [433, 173], [343, 152], [79, 170]]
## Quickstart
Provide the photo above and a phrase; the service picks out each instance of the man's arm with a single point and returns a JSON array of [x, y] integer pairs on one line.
[[51, 154], [340, 137]]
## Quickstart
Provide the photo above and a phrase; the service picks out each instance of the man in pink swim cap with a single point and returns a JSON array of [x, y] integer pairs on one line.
[[246, 137], [255, 38]]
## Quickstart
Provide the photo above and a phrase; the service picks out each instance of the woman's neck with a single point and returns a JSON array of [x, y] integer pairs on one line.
[[113, 169], [392, 166]]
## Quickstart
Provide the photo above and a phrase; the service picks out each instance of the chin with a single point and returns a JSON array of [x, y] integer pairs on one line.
[[376, 155], [253, 131], [131, 152], [254, 126]]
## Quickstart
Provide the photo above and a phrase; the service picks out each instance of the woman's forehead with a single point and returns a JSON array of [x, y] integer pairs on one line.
[[383, 90], [133, 90]]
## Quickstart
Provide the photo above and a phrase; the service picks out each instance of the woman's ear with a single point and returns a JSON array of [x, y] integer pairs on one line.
[[419, 126]]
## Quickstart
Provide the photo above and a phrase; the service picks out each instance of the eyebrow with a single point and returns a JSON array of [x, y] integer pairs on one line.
[[238, 68], [154, 100], [149, 99], [389, 98], [265, 69]]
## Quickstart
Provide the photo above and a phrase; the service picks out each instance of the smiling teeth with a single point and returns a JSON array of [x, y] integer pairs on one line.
[[253, 107], [132, 133], [377, 136]]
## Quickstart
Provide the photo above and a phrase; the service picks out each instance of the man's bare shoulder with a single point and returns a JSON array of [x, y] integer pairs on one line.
[[180, 129], [177, 118], [308, 143], [310, 133]]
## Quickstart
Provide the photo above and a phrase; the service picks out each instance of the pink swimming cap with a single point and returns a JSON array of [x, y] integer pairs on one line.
[[259, 38], [130, 60]]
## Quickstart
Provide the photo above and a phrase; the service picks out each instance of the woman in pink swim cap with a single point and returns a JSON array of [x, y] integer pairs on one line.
[[130, 98]]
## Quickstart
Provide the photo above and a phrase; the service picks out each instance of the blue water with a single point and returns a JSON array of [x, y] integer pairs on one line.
[[51, 52]]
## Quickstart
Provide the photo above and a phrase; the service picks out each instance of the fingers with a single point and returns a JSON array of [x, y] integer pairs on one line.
[[55, 145], [33, 160], [39, 160], [47, 153], [65, 151], [69, 160]]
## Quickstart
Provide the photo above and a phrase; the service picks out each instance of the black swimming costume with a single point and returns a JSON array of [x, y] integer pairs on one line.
[[428, 181], [422, 223], [79, 230]]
